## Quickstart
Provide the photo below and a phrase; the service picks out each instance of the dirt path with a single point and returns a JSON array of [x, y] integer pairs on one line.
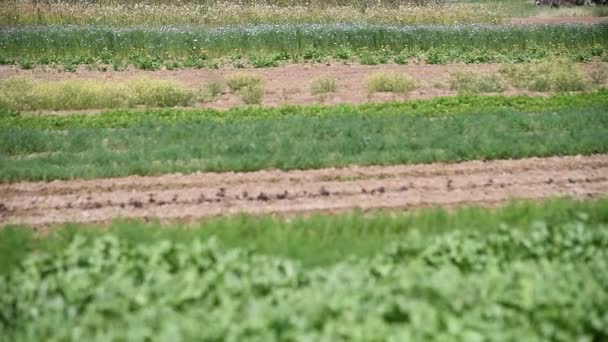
[[557, 20], [290, 84], [211, 194]]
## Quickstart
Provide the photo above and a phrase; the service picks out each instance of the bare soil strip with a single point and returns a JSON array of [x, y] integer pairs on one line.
[[287, 192], [289, 84]]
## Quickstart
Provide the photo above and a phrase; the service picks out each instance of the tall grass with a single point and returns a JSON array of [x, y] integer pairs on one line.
[[345, 138], [27, 94], [232, 13], [48, 44]]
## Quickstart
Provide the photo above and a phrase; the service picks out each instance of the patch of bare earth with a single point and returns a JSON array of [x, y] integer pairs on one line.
[[289, 84], [286, 192]]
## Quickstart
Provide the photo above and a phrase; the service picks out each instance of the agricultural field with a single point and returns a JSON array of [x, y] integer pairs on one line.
[[303, 170]]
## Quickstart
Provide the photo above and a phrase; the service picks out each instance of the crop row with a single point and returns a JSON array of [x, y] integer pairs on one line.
[[532, 280], [347, 137], [437, 106], [312, 240], [269, 45]]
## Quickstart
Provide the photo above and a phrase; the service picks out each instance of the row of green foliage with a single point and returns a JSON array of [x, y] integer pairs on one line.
[[435, 106], [240, 60], [315, 240], [297, 142], [270, 45], [524, 279]]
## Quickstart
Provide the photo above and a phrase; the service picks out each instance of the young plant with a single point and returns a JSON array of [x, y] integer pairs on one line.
[[390, 83], [469, 82], [252, 94], [323, 85], [598, 74], [212, 90], [27, 94], [557, 75], [241, 80]]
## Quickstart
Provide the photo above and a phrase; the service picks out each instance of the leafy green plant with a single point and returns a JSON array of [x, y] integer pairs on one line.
[[146, 62], [343, 54], [435, 56], [475, 82], [536, 279], [263, 61], [367, 58], [401, 59], [391, 83], [26, 64]]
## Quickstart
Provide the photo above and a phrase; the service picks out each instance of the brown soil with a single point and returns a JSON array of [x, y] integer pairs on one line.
[[289, 84], [548, 20], [212, 194]]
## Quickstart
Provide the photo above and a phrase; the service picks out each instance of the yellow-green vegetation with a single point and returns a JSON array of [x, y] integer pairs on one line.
[[546, 76], [390, 83], [323, 85], [598, 74], [248, 86], [215, 13], [243, 79], [29, 94], [214, 88], [252, 94], [470, 82]]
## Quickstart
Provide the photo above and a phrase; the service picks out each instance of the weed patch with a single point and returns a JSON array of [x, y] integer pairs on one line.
[[27, 94], [476, 82], [390, 83]]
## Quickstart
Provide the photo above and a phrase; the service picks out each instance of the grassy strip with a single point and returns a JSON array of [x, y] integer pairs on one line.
[[269, 45], [318, 240], [534, 271], [435, 106], [298, 142]]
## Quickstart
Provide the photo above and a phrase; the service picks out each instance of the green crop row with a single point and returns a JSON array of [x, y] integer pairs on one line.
[[529, 277], [270, 45], [291, 141], [314, 240], [429, 107]]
